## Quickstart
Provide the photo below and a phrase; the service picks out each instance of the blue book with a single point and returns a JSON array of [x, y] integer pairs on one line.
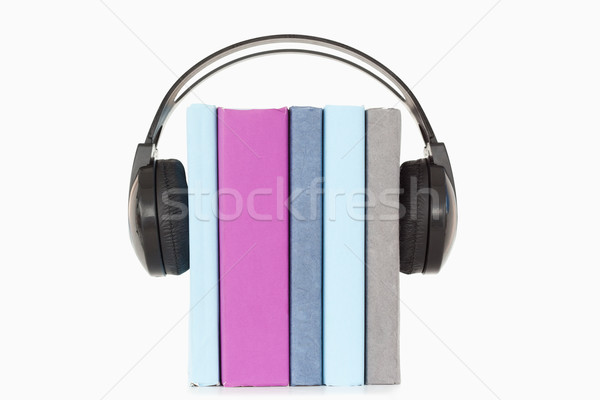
[[344, 246], [306, 246], [204, 249]]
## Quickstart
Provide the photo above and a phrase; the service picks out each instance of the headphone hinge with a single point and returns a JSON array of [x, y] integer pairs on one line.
[[144, 155]]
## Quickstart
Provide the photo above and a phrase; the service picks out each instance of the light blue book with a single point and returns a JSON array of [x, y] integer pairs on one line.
[[344, 246], [306, 245], [204, 248]]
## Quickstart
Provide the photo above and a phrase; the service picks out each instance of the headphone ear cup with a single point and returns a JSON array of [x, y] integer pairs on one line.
[[172, 209], [414, 224]]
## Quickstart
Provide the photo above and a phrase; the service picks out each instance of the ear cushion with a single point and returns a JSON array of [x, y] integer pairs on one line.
[[414, 224], [172, 208]]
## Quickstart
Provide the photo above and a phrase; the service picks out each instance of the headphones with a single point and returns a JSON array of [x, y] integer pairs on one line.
[[158, 220]]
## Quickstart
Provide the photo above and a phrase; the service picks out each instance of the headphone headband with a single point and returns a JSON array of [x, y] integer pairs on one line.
[[172, 97]]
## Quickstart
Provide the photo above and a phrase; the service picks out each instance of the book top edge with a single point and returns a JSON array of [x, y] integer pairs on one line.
[[281, 109], [201, 105], [395, 110], [284, 109]]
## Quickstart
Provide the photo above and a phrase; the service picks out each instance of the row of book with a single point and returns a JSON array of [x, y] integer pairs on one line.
[[294, 253]]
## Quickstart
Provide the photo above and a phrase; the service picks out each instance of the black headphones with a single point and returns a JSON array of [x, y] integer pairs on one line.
[[158, 220]]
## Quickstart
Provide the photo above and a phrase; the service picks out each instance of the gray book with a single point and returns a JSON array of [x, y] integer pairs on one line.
[[382, 246]]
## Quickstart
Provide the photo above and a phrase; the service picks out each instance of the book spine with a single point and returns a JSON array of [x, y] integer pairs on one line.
[[306, 247], [382, 246], [203, 360], [253, 233], [343, 245]]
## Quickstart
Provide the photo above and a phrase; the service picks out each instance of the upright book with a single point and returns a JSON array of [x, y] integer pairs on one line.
[[343, 246], [382, 246], [204, 250], [306, 247], [253, 233]]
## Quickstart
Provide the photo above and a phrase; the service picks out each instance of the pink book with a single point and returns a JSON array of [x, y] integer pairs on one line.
[[253, 246]]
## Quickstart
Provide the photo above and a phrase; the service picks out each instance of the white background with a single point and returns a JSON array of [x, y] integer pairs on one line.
[[511, 87]]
